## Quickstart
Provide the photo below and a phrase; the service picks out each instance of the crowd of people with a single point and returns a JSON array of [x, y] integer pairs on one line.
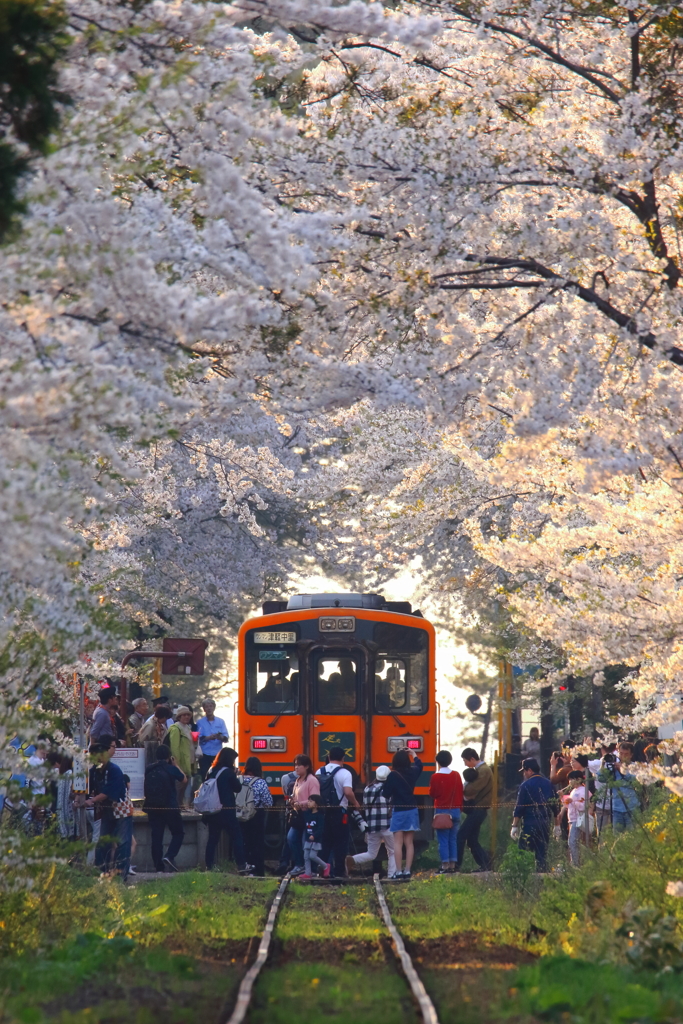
[[583, 795]]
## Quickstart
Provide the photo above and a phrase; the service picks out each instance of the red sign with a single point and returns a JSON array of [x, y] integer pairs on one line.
[[413, 744], [189, 656], [260, 744]]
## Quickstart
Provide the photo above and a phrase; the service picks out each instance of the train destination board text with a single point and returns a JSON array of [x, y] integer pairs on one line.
[[274, 638]]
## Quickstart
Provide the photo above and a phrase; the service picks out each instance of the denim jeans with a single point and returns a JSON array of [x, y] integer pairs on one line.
[[448, 837], [619, 820], [295, 838], [575, 838], [535, 837], [124, 837]]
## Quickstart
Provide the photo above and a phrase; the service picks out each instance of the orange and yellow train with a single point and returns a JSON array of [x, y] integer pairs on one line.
[[349, 670]]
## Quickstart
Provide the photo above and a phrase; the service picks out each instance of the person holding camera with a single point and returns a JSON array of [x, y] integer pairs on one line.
[[560, 768], [617, 800]]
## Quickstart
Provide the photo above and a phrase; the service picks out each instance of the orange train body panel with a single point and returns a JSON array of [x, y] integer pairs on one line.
[[368, 687]]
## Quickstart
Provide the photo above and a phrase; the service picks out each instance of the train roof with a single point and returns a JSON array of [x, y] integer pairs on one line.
[[373, 602]]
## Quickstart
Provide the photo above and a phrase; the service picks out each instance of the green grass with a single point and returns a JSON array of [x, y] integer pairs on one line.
[[170, 941], [95, 980], [201, 909], [555, 989], [204, 910], [319, 992], [443, 905], [316, 912]]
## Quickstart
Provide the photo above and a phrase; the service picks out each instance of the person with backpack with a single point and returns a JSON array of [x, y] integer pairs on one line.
[[305, 785], [228, 785], [377, 812], [405, 819], [161, 806], [336, 790], [252, 801]]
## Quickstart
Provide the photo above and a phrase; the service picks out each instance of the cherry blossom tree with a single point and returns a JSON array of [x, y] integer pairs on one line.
[[351, 286]]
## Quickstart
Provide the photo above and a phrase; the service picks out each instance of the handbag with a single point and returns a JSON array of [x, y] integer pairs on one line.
[[123, 808], [442, 820]]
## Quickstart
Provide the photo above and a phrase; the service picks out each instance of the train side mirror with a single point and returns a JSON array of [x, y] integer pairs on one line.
[[473, 703]]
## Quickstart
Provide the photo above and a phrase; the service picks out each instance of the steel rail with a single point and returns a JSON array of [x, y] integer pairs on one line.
[[247, 984], [427, 1009]]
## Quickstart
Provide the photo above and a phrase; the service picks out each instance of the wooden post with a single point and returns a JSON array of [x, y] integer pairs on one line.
[[501, 718], [156, 678], [494, 807]]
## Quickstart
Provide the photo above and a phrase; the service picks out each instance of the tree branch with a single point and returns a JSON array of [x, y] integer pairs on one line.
[[590, 74], [589, 295]]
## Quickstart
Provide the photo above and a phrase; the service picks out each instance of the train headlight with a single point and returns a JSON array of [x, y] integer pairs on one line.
[[395, 743], [268, 743], [337, 624]]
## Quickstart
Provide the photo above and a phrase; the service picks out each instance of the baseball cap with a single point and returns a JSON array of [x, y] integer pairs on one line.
[[530, 764]]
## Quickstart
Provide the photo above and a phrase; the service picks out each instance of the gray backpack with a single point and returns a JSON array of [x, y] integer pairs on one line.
[[245, 805], [207, 800]]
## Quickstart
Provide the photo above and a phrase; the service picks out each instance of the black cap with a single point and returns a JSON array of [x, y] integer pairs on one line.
[[530, 764]]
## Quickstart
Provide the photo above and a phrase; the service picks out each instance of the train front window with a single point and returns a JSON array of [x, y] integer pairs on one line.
[[336, 685], [401, 669], [272, 681], [390, 684]]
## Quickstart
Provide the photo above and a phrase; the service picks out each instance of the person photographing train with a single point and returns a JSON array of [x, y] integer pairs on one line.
[[406, 768]]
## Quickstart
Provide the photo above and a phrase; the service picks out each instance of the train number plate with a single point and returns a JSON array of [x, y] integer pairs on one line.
[[274, 638]]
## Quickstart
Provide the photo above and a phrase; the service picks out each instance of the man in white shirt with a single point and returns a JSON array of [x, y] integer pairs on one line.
[[336, 789]]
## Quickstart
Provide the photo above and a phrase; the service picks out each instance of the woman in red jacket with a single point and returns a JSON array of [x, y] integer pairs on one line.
[[445, 790]]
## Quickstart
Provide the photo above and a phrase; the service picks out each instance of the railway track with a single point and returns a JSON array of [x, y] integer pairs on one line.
[[246, 990]]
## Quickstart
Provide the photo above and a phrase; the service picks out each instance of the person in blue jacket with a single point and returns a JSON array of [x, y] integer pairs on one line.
[[535, 811]]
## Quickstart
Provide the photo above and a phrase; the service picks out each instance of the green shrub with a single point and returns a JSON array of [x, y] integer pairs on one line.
[[517, 868]]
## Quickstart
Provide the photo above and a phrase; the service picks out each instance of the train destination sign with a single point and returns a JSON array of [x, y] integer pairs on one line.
[[274, 638]]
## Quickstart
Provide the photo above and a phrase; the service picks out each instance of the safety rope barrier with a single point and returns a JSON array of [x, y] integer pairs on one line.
[[391, 807]]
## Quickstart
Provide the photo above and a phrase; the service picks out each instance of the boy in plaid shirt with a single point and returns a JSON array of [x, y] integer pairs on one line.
[[377, 811]]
